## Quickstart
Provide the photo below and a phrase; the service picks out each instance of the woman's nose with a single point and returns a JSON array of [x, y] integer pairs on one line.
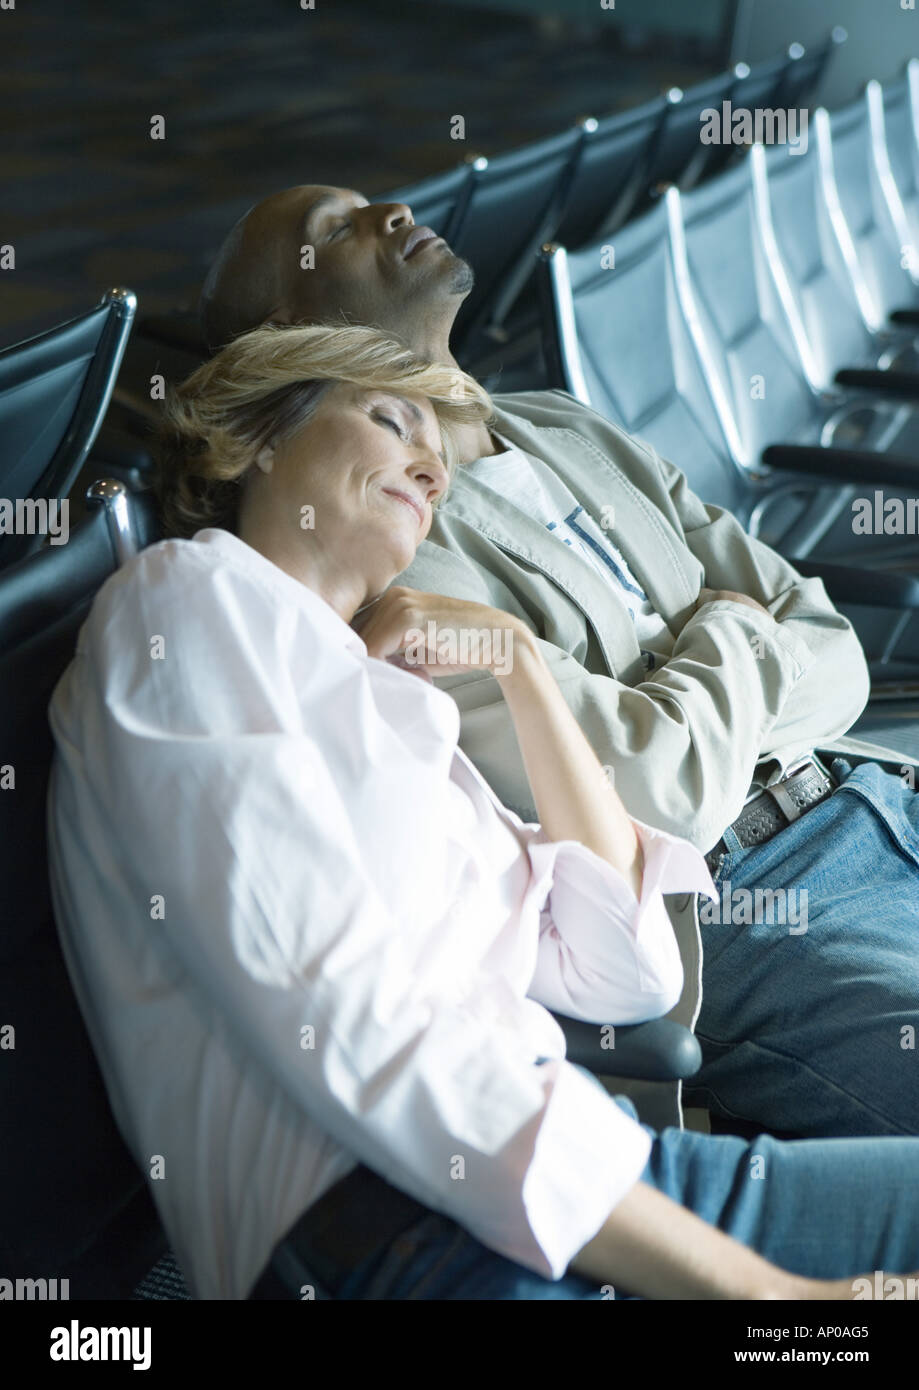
[[432, 475]]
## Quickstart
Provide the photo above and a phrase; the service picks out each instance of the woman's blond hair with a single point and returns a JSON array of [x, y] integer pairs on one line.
[[263, 387]]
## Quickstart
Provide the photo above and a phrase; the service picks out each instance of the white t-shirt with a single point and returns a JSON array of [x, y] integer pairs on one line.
[[530, 484]]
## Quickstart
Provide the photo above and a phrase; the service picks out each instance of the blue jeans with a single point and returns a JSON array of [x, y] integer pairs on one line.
[[823, 1208], [811, 1027]]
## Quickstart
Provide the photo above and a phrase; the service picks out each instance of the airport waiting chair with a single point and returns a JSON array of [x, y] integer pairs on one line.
[[806, 68], [770, 413], [616, 338], [54, 391], [753, 90], [78, 1207], [760, 87], [857, 180], [809, 256], [618, 166], [440, 200], [899, 120], [612, 173], [513, 203], [679, 156], [74, 1204]]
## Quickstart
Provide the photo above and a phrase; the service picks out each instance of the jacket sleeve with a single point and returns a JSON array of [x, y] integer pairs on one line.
[[835, 684], [684, 743]]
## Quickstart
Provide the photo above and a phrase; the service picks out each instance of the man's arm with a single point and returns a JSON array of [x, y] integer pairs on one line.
[[835, 687], [739, 684], [681, 746]]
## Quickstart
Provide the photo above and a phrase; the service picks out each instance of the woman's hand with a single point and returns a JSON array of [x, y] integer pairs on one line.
[[434, 635]]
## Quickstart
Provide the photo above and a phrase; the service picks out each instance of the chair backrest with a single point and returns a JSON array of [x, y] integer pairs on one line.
[[753, 91], [439, 200], [805, 69], [899, 120], [809, 255], [615, 338], [852, 181], [760, 86], [54, 392], [66, 1175], [611, 173], [679, 155], [514, 204], [739, 324]]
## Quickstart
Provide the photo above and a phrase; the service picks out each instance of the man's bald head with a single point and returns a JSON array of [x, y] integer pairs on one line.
[[359, 272]]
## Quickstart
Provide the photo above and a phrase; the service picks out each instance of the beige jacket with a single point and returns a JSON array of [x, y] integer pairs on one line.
[[740, 699]]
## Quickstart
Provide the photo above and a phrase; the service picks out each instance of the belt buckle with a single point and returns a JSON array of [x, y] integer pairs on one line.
[[799, 766], [782, 797]]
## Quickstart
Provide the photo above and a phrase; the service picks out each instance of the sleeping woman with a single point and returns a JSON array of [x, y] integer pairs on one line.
[[317, 957]]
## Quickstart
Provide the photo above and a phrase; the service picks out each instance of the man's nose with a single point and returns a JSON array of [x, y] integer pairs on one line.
[[393, 215]]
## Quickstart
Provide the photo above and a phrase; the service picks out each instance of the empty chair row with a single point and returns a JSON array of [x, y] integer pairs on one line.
[[715, 325], [587, 181]]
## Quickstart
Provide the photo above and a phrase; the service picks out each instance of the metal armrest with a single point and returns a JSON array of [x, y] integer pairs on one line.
[[844, 465], [894, 383], [660, 1050], [872, 588]]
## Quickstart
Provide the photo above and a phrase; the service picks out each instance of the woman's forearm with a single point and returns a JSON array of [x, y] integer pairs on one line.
[[654, 1248], [574, 799]]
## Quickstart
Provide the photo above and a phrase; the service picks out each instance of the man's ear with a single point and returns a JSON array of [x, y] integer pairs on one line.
[[264, 459]]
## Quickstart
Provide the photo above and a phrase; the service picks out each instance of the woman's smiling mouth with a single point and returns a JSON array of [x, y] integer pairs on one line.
[[409, 501]]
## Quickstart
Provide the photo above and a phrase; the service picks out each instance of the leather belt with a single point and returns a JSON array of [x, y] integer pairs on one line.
[[785, 801]]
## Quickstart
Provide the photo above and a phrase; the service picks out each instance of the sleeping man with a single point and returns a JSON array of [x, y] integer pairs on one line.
[[701, 666]]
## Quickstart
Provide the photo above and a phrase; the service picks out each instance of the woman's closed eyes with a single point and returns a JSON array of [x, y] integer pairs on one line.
[[388, 420]]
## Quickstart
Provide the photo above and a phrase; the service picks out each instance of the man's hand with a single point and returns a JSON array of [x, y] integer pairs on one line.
[[712, 595]]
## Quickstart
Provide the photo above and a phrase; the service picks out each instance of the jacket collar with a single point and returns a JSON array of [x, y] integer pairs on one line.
[[595, 476], [596, 479]]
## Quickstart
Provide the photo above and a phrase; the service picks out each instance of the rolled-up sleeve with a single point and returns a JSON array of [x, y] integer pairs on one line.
[[606, 956]]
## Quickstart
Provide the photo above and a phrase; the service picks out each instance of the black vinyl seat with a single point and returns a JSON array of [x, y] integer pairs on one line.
[[762, 85], [616, 338], [612, 173], [74, 1204], [439, 201], [679, 155], [54, 392], [514, 202], [806, 67]]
